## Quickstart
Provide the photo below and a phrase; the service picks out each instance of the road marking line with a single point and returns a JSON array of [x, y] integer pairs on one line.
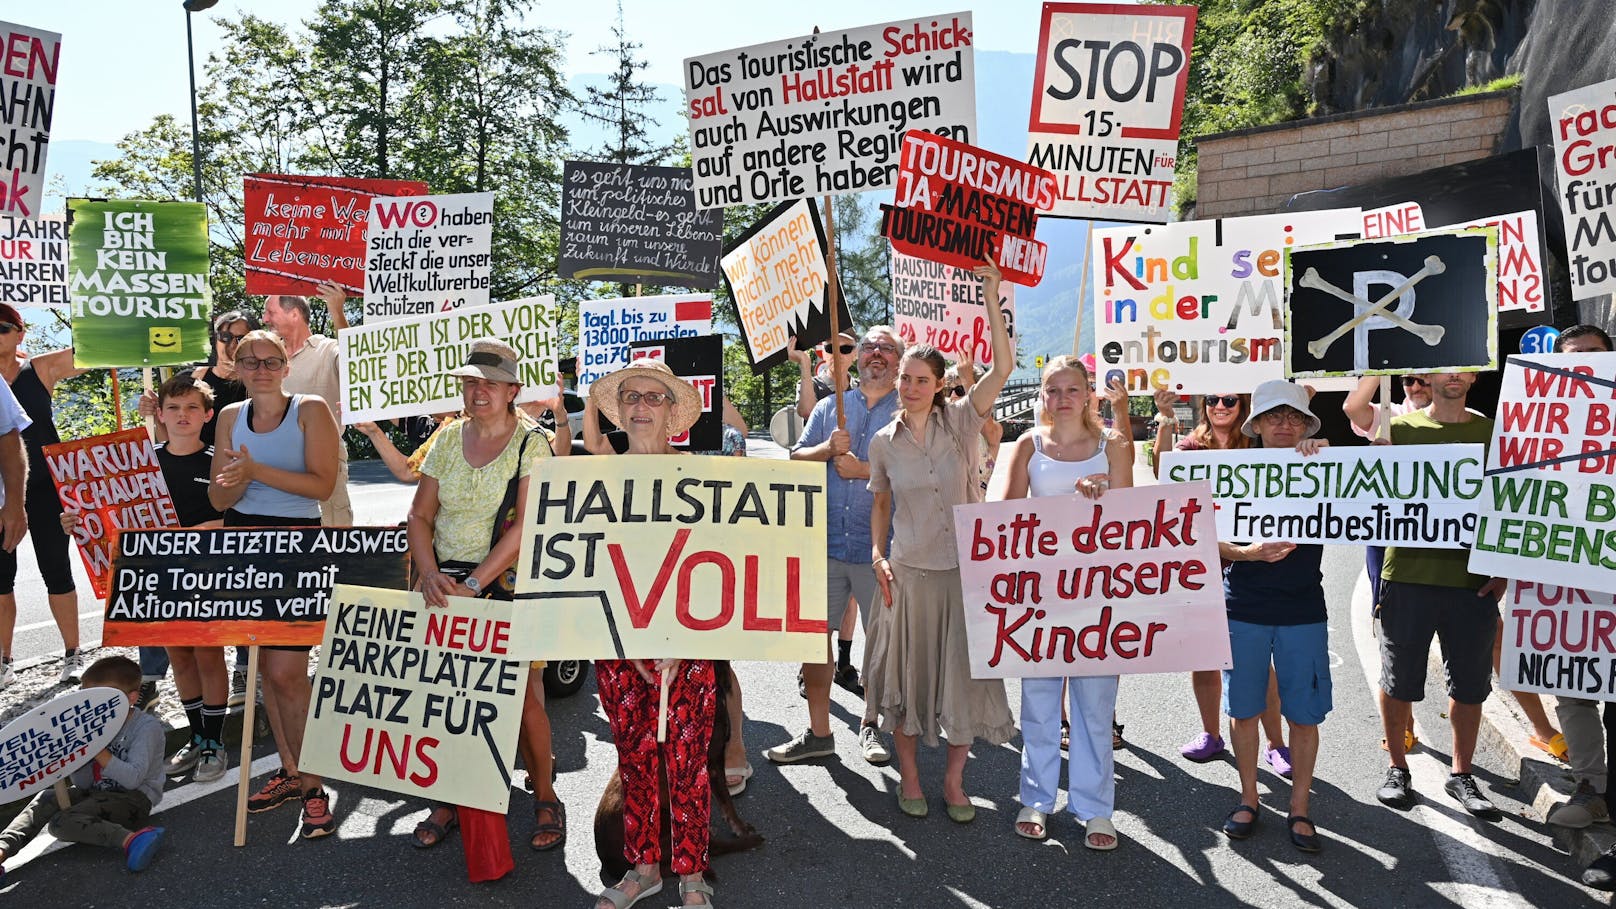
[[51, 623]]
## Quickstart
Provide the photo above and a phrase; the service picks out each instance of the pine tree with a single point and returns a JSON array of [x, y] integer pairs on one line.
[[620, 107]]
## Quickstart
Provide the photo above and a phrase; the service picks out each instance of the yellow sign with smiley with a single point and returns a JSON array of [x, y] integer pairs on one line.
[[164, 339]]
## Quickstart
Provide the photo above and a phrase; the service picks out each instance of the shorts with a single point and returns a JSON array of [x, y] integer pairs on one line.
[[1300, 657], [1465, 624], [843, 579]]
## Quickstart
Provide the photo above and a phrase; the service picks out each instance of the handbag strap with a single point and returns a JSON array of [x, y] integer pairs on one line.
[[509, 501]]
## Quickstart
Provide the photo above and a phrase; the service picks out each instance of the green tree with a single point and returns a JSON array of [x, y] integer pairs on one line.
[[620, 106]]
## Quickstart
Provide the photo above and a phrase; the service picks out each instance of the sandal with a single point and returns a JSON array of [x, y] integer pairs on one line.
[[742, 773], [1305, 842], [1555, 747], [1100, 826], [1239, 830], [702, 887], [1032, 816], [435, 832], [559, 825], [620, 898]]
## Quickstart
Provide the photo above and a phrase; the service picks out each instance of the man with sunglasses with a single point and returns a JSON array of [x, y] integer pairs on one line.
[[813, 388], [313, 362]]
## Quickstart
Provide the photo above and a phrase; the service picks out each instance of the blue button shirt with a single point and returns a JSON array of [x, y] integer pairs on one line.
[[847, 521]]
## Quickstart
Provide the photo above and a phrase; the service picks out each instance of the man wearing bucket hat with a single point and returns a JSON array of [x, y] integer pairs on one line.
[[1277, 618]]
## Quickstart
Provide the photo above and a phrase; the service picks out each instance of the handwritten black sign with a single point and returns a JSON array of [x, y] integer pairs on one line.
[[624, 222]]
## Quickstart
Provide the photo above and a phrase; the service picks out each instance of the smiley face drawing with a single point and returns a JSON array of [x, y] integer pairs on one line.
[[165, 339]]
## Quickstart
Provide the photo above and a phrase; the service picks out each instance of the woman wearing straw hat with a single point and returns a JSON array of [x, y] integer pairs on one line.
[[651, 404]]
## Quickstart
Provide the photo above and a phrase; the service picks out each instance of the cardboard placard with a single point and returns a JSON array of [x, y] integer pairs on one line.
[[1107, 100], [115, 483], [140, 293], [1444, 316], [942, 305], [778, 279], [822, 114], [1065, 586], [52, 740], [1557, 640], [627, 222], [1584, 126], [427, 254], [652, 556], [606, 328], [699, 361], [1520, 265], [961, 205], [302, 230], [242, 585], [28, 86], [1410, 496], [401, 368], [33, 261], [422, 702]]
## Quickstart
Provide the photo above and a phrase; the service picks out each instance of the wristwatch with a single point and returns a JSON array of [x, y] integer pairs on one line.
[[473, 584]]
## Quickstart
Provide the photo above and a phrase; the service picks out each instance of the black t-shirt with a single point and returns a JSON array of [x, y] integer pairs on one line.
[[187, 477]]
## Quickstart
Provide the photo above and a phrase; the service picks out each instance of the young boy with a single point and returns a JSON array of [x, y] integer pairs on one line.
[[112, 796]]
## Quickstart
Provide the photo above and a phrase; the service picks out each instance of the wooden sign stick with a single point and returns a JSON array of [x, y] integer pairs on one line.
[[117, 400], [1383, 427], [662, 708], [834, 299], [248, 718], [151, 422], [62, 801]]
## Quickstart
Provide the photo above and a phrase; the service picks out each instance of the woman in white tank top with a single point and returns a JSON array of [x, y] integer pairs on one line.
[[1068, 452]]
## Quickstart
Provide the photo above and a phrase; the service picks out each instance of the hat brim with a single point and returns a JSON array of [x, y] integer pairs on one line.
[[491, 373], [686, 400]]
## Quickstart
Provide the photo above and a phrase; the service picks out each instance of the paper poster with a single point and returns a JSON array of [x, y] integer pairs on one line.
[[52, 740], [606, 328], [1584, 126], [1520, 266], [780, 284], [28, 91], [1557, 640], [302, 230], [627, 222], [113, 482], [33, 261], [427, 254], [942, 305], [699, 361]]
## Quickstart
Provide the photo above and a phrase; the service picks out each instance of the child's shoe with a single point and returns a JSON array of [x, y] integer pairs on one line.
[[142, 848]]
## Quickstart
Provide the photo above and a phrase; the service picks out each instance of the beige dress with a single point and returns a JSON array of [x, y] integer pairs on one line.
[[916, 665]]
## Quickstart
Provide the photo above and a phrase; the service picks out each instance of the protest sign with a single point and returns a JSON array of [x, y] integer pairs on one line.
[[114, 483], [423, 702], [1558, 640], [140, 293], [625, 222], [1107, 100], [942, 305], [777, 277], [1520, 264], [302, 230], [1584, 125], [242, 585], [1133, 584], [52, 740], [961, 205], [1421, 497], [33, 261], [28, 90], [823, 113], [606, 328], [401, 368], [699, 361], [428, 254], [1425, 302], [607, 546], [1196, 306]]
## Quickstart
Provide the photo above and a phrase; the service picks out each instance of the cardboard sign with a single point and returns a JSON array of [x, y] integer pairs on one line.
[[961, 205], [823, 114], [423, 702], [651, 556], [1197, 306], [1424, 302], [302, 230], [626, 222], [1411, 496], [942, 305], [606, 328], [1584, 126], [33, 261], [778, 279], [140, 292], [1520, 265], [28, 87], [54, 739], [114, 483], [1557, 640], [699, 361], [401, 368], [242, 585], [1107, 100], [1064, 586], [428, 254]]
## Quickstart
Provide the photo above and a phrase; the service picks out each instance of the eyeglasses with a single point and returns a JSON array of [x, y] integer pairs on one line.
[[651, 398], [230, 338], [957, 391], [1414, 382], [7, 328], [873, 346], [251, 364], [1285, 415], [843, 349], [1225, 400]]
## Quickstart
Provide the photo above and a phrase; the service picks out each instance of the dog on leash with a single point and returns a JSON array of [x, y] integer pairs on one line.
[[609, 815]]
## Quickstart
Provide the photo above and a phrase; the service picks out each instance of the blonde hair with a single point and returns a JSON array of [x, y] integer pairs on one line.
[[260, 336], [1091, 420]]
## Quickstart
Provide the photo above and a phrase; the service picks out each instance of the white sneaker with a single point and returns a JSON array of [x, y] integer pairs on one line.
[[212, 764], [185, 759], [72, 666], [875, 750], [7, 674]]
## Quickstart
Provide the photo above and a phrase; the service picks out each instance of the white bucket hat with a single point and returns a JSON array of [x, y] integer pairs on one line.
[[1279, 393]]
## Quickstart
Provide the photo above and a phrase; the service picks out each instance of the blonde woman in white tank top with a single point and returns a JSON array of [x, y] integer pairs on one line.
[[1068, 452]]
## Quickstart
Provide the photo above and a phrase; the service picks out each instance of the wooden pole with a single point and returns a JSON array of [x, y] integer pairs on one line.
[[662, 708], [117, 400], [1383, 426], [834, 299], [1082, 288], [248, 718], [151, 422], [62, 801]]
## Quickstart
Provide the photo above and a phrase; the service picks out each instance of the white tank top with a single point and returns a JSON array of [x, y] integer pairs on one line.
[[1049, 477]]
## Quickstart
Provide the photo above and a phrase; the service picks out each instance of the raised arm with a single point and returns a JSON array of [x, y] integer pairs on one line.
[[986, 390], [396, 462], [55, 366], [1360, 404], [336, 300], [1166, 421], [806, 399]]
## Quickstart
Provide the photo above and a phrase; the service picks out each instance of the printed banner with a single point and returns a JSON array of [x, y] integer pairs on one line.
[[961, 205], [422, 702], [1557, 640], [1134, 584], [1520, 268], [33, 261], [652, 556], [140, 291], [606, 328], [1584, 126], [1424, 302], [401, 368], [778, 279], [942, 305], [114, 483], [54, 739], [302, 230], [428, 254], [625, 222], [1197, 306], [823, 114], [1107, 100], [27, 103], [699, 361], [1411, 496], [242, 585]]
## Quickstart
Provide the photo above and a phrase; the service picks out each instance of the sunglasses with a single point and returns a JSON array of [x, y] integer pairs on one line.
[[957, 391], [1225, 400], [651, 398], [843, 349], [7, 328], [252, 364], [873, 346], [1412, 382], [231, 338]]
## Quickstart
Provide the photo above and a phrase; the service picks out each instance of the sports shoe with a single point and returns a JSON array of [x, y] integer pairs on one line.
[[72, 666], [213, 762], [279, 790], [185, 758], [140, 851], [238, 688], [317, 819], [802, 685], [1279, 759], [1463, 788], [848, 679], [1601, 874], [7, 674], [875, 750], [147, 697], [1203, 748], [1584, 808], [1394, 792], [805, 746]]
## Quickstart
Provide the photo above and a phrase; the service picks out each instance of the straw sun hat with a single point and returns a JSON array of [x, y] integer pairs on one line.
[[686, 403]]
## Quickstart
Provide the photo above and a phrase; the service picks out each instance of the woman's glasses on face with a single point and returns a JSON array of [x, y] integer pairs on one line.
[[651, 398], [7, 328], [251, 364], [227, 339], [1285, 415], [1225, 400]]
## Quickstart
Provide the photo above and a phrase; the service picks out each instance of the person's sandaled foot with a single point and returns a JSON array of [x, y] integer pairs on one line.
[[914, 807], [1238, 829], [695, 892], [630, 890], [1032, 824], [1100, 834], [550, 833], [735, 778], [1306, 842], [441, 822]]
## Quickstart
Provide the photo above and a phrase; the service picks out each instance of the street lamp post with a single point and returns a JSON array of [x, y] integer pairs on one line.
[[195, 6]]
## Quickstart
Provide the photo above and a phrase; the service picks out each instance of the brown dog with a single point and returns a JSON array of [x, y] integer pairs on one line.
[[609, 815]]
